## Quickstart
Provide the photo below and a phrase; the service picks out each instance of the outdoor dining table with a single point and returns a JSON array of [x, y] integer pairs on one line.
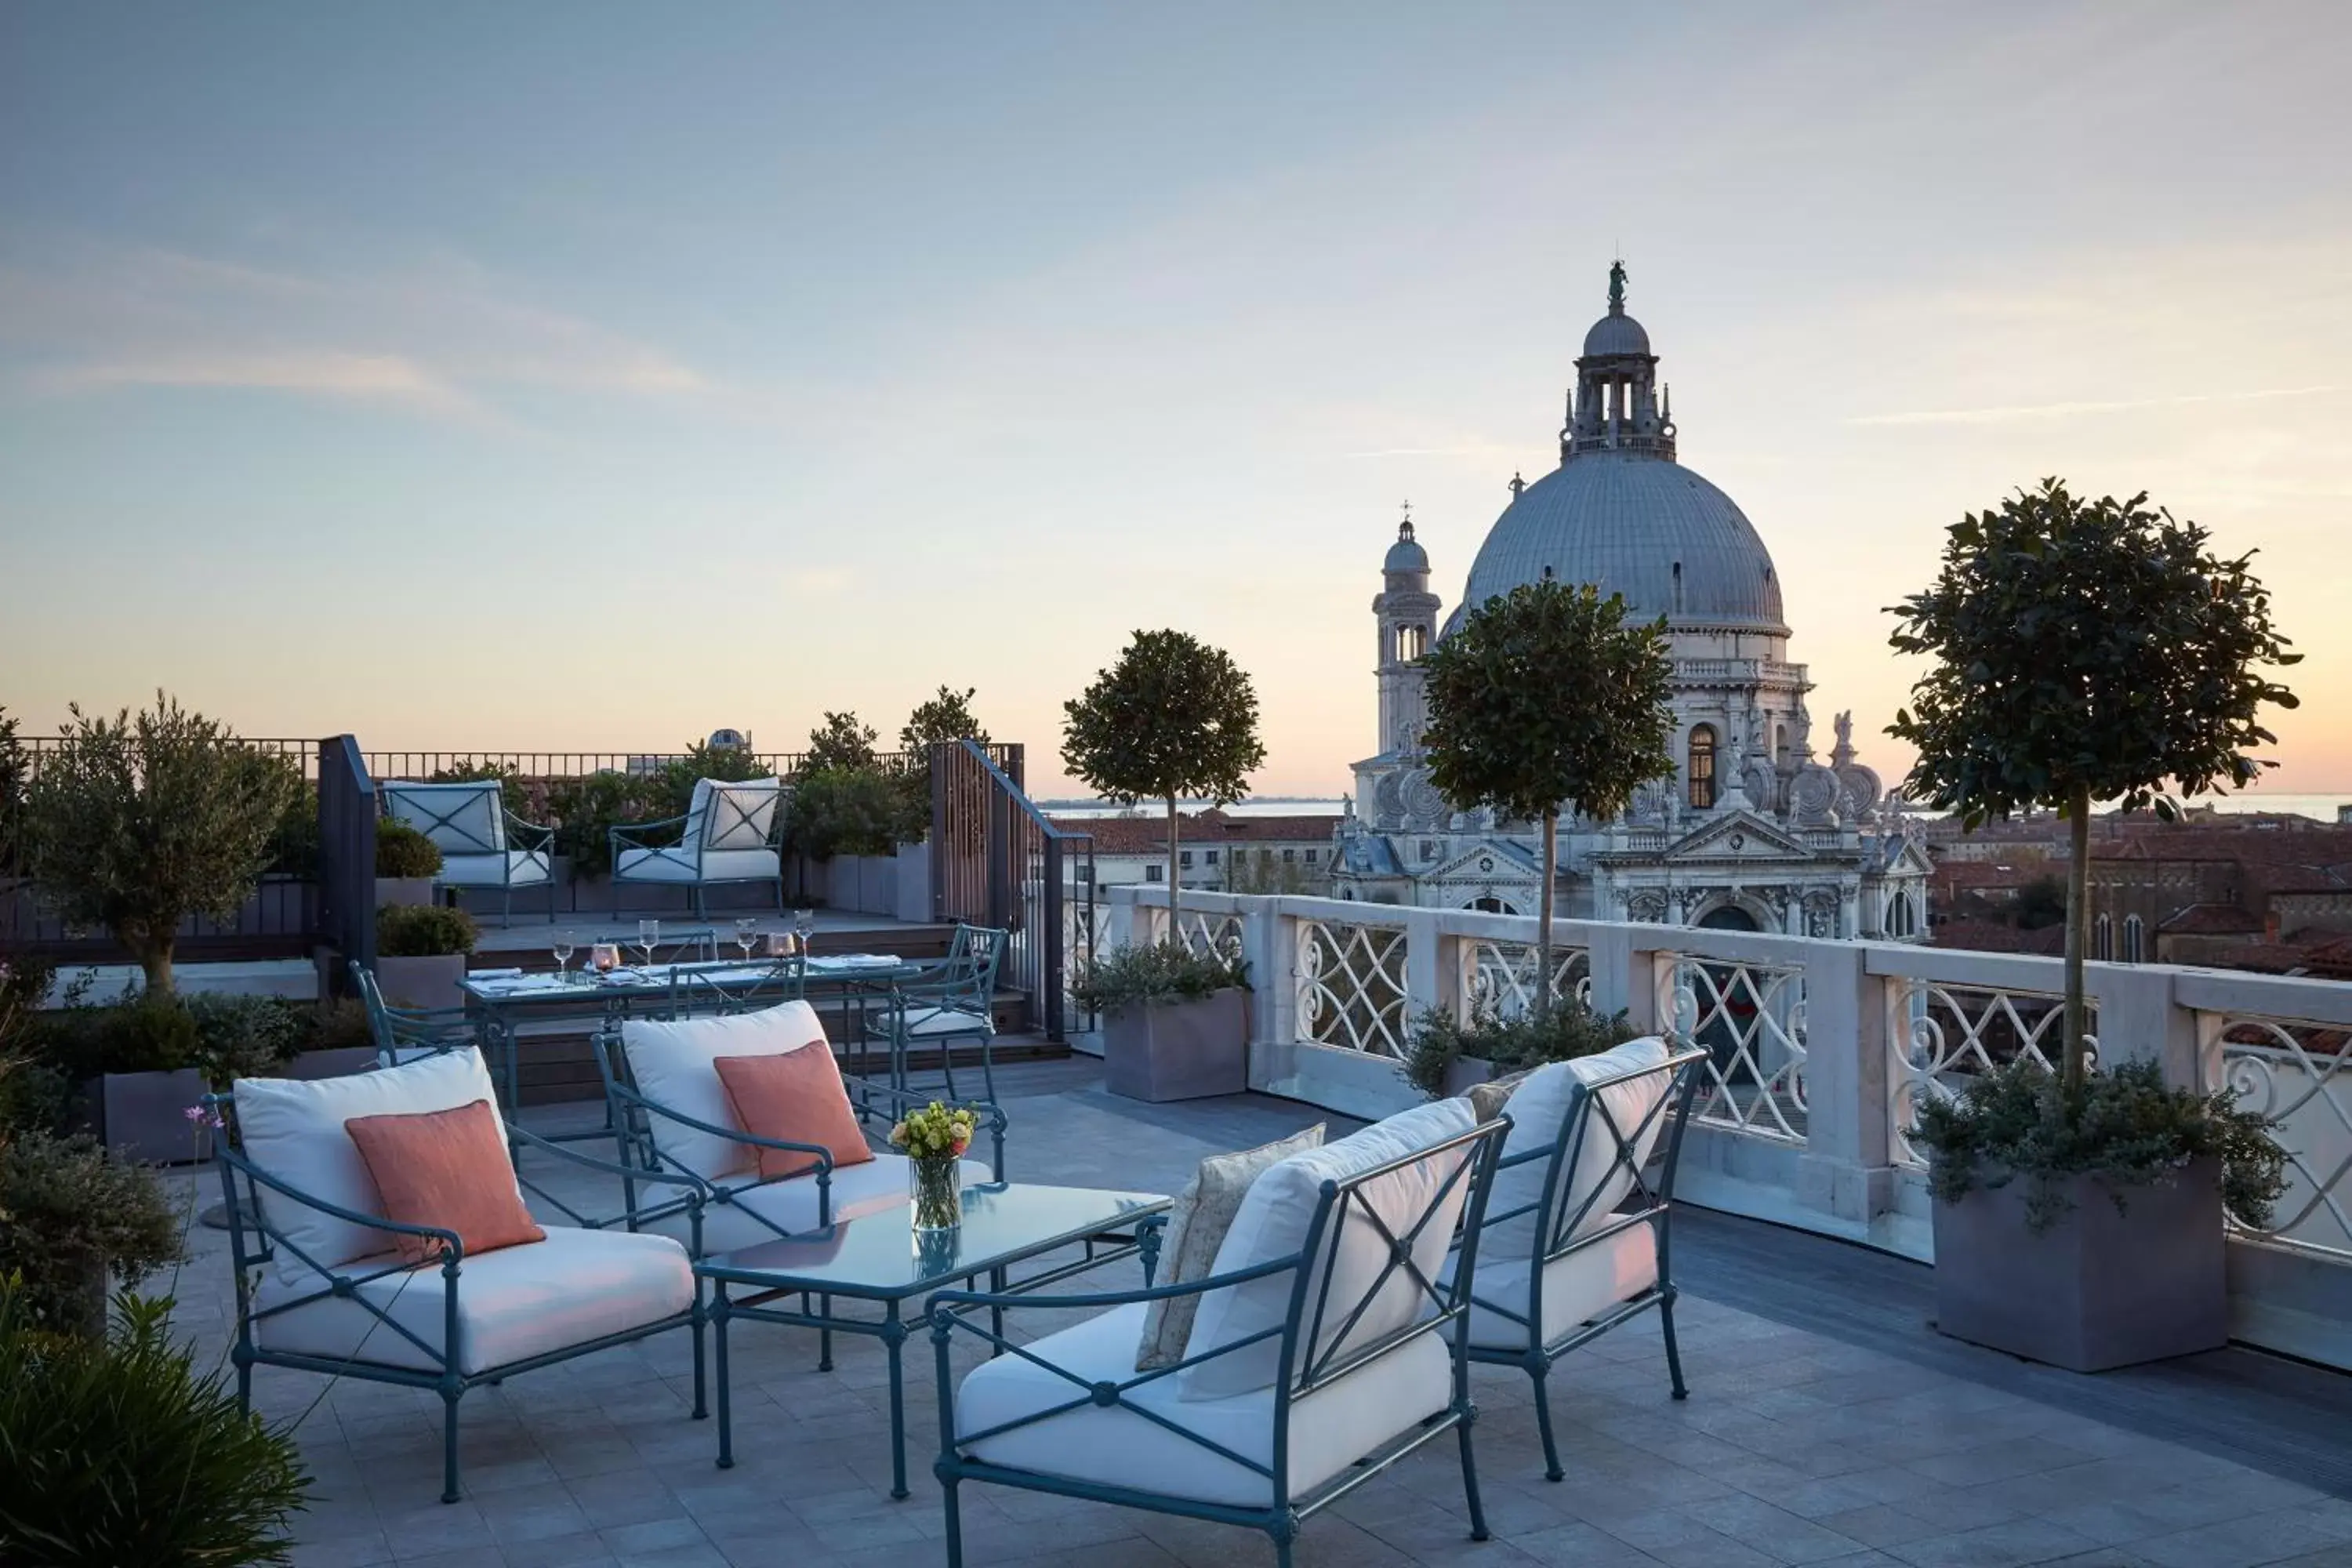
[[500, 1002], [881, 1258]]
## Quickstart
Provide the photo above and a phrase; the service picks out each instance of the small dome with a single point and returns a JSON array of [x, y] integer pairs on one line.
[[1406, 554], [1616, 333]]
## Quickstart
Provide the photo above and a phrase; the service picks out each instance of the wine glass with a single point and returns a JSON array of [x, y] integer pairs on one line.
[[804, 922], [561, 947], [648, 937], [747, 936]]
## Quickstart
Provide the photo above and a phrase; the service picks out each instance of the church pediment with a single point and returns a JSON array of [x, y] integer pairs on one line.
[[1743, 838], [1485, 860]]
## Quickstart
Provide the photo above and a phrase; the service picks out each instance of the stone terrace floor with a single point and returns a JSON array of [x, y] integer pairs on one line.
[[1826, 1425]]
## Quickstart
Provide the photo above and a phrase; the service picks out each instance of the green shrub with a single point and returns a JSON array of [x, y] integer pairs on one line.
[[423, 930], [850, 811], [294, 845], [402, 851], [2124, 1126], [585, 810], [117, 1450], [1163, 972], [75, 1213], [339, 1025], [145, 1032], [245, 1037], [1571, 1029]]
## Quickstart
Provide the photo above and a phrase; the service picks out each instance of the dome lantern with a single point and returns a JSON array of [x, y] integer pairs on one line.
[[1615, 406]]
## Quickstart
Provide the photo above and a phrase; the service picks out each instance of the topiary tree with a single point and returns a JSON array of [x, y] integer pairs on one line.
[[1543, 695], [1174, 719], [136, 822], [2085, 651]]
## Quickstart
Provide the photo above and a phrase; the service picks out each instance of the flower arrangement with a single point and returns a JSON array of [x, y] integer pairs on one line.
[[933, 1140]]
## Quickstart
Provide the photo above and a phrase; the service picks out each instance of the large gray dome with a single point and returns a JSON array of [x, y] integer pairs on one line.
[[1628, 521]]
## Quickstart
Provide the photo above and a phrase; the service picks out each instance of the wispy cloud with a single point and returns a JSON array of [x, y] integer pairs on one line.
[[437, 335], [2027, 411]]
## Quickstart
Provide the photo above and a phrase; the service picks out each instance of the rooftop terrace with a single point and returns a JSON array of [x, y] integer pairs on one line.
[[1828, 1424]]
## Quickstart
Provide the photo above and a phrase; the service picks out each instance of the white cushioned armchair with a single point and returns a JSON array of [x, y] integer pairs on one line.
[[321, 1287], [483, 845], [726, 835], [675, 1118], [1325, 1347], [1575, 1236]]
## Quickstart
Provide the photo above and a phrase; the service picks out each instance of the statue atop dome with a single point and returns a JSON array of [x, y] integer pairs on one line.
[[1617, 286]]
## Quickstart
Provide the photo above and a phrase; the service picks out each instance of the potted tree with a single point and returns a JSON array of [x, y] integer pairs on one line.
[[135, 824], [1542, 696], [1174, 719], [134, 1066], [2087, 651], [420, 953]]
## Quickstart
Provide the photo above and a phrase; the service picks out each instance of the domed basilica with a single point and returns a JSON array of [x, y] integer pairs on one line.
[[1755, 831]]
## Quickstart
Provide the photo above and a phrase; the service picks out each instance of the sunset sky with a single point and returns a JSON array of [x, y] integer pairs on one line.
[[598, 375]]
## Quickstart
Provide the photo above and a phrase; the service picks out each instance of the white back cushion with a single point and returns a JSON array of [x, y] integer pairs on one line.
[[461, 818], [1537, 1110], [671, 1063], [292, 1128], [739, 816], [1272, 1223]]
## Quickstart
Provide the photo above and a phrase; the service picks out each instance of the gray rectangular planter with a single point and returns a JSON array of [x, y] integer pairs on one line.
[[421, 982], [2098, 1289], [1179, 1051], [403, 891], [144, 1115], [340, 1062]]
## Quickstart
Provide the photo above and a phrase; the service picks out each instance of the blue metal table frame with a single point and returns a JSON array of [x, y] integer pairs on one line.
[[880, 1257]]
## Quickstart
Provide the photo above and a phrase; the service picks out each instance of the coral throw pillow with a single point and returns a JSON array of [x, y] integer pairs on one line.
[[796, 1096], [449, 1169]]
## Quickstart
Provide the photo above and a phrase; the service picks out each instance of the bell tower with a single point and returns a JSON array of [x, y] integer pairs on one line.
[[1406, 613]]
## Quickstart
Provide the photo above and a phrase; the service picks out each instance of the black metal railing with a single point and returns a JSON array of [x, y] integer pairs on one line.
[[347, 817], [997, 861]]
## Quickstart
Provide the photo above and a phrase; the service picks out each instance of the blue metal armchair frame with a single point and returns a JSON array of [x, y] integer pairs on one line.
[[633, 1115], [404, 1032], [1302, 1366], [725, 992], [726, 814], [253, 1242], [1644, 1201], [962, 982], [453, 834]]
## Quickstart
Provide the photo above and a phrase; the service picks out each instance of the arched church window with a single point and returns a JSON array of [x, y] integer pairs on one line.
[[1411, 642], [1899, 919], [2135, 934], [2103, 940], [1489, 904], [1701, 770]]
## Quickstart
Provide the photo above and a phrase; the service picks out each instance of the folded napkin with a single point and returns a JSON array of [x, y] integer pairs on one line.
[[493, 974]]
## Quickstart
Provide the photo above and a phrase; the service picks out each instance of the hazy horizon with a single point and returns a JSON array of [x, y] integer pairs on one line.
[[597, 377]]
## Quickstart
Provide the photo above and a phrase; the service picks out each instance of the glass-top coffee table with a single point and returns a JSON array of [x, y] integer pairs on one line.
[[881, 1258]]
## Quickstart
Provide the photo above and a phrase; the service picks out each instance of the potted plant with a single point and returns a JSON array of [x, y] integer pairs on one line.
[[405, 864], [1542, 696], [135, 1066], [420, 953], [123, 1450], [1448, 1053], [1175, 1024], [1174, 719], [336, 1039], [77, 1215], [137, 823], [2085, 651]]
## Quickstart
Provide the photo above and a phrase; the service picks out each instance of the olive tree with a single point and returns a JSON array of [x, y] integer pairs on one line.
[[1174, 719], [1542, 696], [136, 822], [2085, 651]]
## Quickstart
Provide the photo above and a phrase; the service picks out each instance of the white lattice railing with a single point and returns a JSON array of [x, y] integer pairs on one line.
[[1352, 986], [1499, 977], [1940, 1035], [2299, 1075], [1750, 1017]]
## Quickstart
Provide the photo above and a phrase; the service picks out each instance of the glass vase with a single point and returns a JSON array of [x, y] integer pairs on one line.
[[935, 1182]]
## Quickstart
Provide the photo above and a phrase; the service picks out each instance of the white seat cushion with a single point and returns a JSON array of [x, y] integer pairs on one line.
[[671, 1064], [514, 1303], [515, 868], [292, 1128], [1272, 1223], [792, 1205], [1330, 1429], [930, 1022], [1578, 1287], [680, 865], [1538, 1110]]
